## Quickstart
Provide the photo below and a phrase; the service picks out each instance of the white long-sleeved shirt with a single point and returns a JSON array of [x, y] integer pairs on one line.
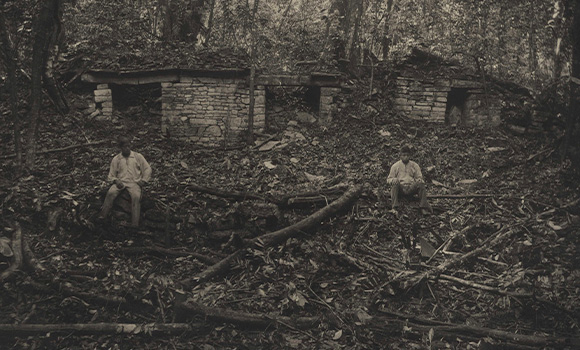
[[406, 173], [129, 169]]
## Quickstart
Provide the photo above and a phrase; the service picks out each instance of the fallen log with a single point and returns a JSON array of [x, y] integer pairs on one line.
[[239, 196], [56, 150], [67, 290], [16, 263], [245, 319], [311, 196], [277, 237], [168, 252], [453, 331], [280, 236], [18, 330], [460, 196]]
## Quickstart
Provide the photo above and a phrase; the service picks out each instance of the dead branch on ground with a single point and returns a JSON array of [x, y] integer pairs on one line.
[[14, 330], [245, 319], [239, 196], [56, 150], [452, 331], [280, 236], [156, 250]]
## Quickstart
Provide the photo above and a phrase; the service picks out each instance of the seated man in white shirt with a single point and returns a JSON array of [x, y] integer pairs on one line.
[[129, 170], [405, 176]]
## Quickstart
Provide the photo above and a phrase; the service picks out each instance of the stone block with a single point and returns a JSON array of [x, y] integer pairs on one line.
[[108, 104], [461, 83], [102, 86], [99, 99], [421, 113], [438, 110], [106, 92], [405, 108], [326, 100], [166, 85], [440, 98], [213, 131], [422, 108]]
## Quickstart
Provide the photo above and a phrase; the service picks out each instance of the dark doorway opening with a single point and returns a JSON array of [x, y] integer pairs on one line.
[[455, 109], [284, 102], [137, 100]]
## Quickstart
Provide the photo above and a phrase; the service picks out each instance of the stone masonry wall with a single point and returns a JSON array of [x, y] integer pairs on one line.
[[103, 102], [210, 110], [427, 100], [328, 104]]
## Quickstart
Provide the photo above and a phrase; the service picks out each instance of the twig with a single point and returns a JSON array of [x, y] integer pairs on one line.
[[459, 196], [55, 150]]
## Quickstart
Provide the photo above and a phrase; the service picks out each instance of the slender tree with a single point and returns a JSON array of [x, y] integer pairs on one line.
[[46, 26], [574, 107], [9, 57]]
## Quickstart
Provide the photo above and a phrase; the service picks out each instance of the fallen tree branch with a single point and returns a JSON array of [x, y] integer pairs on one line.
[[16, 330], [411, 280], [484, 287], [245, 319], [30, 258], [240, 196], [17, 257], [460, 196], [311, 196], [280, 236], [68, 290], [492, 241], [452, 331], [56, 150], [168, 252]]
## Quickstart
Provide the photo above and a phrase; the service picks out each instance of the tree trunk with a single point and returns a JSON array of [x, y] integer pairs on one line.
[[574, 107], [386, 41], [252, 74], [9, 58], [353, 52], [45, 26], [532, 42], [210, 23], [559, 31]]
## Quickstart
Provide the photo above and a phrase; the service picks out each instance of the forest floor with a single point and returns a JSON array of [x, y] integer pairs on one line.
[[499, 270]]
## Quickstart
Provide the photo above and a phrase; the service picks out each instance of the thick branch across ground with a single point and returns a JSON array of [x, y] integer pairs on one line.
[[245, 319], [280, 236]]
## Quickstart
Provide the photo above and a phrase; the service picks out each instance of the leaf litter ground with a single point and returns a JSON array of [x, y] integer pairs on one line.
[[339, 271]]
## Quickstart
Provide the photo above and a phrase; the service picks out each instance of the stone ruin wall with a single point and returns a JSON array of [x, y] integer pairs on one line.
[[210, 110], [427, 100]]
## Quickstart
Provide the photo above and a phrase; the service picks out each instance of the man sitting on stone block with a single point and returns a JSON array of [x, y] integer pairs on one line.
[[129, 170], [406, 177]]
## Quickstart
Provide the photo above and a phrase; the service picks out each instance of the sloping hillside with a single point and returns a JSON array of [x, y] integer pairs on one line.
[[497, 263]]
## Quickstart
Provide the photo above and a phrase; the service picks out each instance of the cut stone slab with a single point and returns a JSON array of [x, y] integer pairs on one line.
[[268, 146], [305, 117]]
